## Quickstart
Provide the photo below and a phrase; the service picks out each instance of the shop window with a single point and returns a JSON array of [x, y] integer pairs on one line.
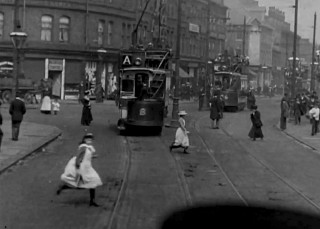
[[101, 25], [64, 29], [46, 28]]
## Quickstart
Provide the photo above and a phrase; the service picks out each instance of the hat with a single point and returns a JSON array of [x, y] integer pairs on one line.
[[254, 107], [88, 135], [87, 92], [182, 113]]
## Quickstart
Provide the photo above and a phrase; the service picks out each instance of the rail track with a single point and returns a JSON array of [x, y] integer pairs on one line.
[[185, 192]]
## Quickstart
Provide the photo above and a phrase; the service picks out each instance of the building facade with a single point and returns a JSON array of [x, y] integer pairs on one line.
[[65, 37]]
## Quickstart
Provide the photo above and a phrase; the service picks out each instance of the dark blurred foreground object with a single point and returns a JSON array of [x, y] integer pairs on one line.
[[241, 217]]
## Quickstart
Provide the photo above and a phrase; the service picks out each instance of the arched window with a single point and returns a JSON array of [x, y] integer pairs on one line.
[[46, 28], [1, 24], [101, 26], [110, 28], [64, 29]]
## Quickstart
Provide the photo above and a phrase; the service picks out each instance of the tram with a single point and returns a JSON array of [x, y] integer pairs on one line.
[[229, 85], [230, 82], [144, 84]]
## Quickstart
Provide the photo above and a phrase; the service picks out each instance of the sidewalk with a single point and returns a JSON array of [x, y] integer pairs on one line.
[[32, 137], [302, 133]]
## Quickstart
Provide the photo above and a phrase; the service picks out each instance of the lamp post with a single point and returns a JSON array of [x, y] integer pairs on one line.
[[99, 90], [18, 40], [264, 68], [175, 105]]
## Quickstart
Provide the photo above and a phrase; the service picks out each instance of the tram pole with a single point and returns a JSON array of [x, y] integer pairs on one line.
[[293, 80], [312, 86], [175, 105]]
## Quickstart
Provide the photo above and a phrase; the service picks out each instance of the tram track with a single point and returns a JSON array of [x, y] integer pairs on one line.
[[130, 150], [265, 165]]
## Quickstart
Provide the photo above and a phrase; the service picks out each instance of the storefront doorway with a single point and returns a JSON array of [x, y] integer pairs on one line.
[[55, 77]]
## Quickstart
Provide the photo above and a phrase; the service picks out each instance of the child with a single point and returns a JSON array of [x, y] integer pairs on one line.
[[55, 106]]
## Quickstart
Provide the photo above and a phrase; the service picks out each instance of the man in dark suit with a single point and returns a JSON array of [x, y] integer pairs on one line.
[[17, 110]]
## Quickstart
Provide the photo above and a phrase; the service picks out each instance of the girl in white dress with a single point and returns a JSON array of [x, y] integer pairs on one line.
[[79, 173], [181, 139]]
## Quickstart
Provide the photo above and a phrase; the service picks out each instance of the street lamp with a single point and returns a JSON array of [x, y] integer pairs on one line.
[[18, 40], [264, 68], [98, 90]]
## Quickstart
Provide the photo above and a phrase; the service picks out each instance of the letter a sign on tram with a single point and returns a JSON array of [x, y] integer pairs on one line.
[[126, 60]]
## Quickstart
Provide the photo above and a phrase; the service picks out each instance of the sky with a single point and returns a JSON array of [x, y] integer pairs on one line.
[[306, 11]]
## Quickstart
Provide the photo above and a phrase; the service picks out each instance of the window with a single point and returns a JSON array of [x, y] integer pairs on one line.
[[129, 32], [1, 25], [64, 27], [46, 28], [110, 25], [124, 36], [100, 32]]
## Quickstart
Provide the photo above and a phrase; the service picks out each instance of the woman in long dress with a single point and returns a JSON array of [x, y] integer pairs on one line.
[[255, 131], [181, 138], [46, 103], [86, 117], [79, 173]]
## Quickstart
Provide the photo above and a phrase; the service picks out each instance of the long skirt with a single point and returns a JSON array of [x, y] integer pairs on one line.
[[181, 138], [80, 178], [283, 123], [46, 105], [86, 117], [255, 132]]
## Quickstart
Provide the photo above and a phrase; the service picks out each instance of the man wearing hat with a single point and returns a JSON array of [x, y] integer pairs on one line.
[[181, 137], [17, 110], [314, 116]]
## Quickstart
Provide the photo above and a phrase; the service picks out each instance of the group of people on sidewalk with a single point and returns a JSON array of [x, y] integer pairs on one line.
[[304, 104]]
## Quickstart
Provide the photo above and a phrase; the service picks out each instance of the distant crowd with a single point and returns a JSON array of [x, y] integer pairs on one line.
[[304, 104]]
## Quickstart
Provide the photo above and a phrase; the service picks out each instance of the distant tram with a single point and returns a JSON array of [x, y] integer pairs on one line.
[[144, 82], [229, 84]]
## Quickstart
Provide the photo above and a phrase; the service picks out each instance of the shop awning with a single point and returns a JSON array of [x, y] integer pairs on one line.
[[182, 73]]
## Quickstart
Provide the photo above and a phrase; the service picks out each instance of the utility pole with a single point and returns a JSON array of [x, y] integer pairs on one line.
[[205, 99], [293, 79], [312, 86], [16, 59], [244, 37], [175, 105]]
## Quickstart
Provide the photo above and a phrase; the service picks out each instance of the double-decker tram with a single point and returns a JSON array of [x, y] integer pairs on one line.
[[231, 84], [144, 80]]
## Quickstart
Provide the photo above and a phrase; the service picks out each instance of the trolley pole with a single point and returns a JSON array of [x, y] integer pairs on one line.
[[312, 86], [175, 105], [293, 80]]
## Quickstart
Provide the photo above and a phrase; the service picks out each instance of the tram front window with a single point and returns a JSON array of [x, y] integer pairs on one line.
[[127, 87]]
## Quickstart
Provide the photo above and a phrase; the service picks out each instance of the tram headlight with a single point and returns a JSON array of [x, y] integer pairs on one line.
[[137, 61]]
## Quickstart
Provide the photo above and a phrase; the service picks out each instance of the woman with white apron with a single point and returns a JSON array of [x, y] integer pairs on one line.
[[78, 173], [181, 139]]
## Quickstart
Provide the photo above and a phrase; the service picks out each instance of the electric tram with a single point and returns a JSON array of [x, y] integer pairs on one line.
[[144, 82], [231, 84]]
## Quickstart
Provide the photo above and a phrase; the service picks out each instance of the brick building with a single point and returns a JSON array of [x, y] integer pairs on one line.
[[64, 36]]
